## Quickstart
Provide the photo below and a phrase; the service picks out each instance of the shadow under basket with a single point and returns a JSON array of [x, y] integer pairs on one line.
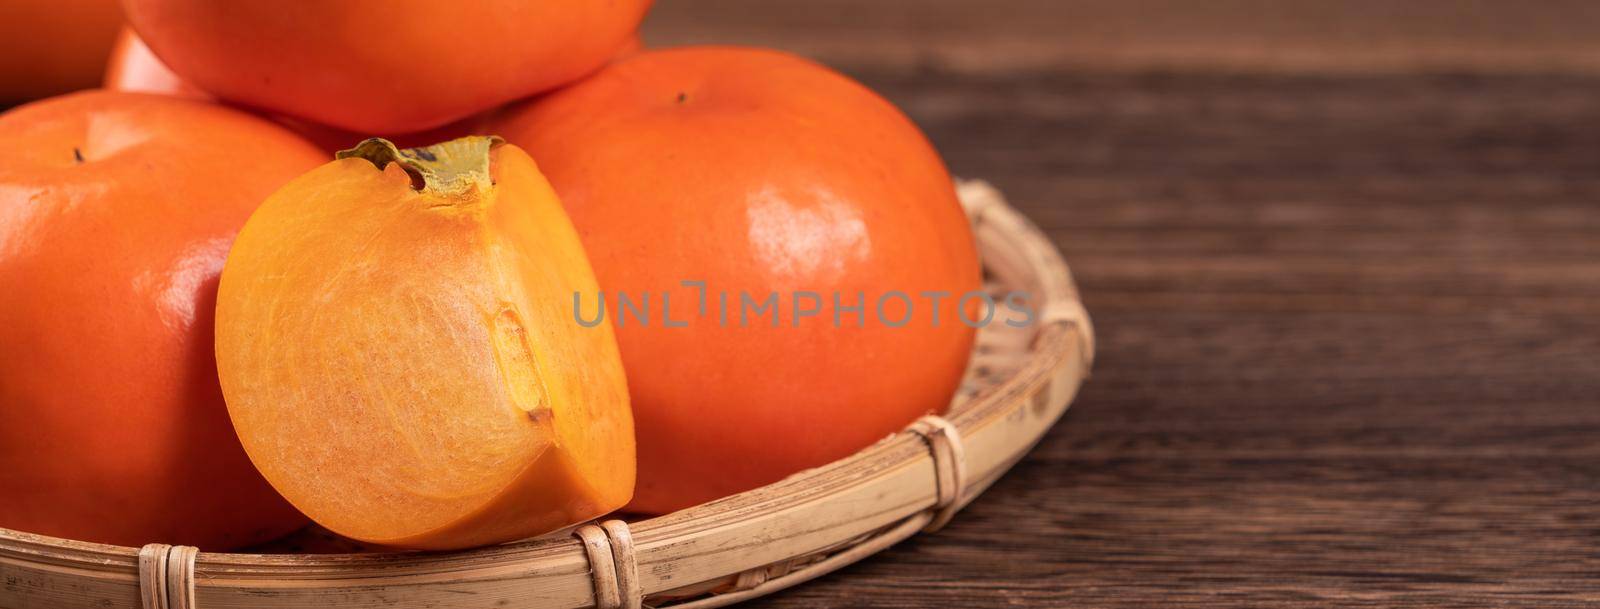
[[1019, 383]]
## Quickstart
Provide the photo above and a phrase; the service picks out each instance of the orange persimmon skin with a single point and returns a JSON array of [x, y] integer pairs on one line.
[[54, 46], [334, 139], [112, 425], [403, 366], [755, 171], [383, 66], [134, 68]]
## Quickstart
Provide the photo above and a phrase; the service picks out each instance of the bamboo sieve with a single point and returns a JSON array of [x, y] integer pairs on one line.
[[736, 548]]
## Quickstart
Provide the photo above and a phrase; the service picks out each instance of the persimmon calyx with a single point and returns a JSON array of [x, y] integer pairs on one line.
[[454, 168]]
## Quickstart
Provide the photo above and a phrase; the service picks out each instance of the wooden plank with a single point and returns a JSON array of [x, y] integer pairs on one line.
[[1350, 36]]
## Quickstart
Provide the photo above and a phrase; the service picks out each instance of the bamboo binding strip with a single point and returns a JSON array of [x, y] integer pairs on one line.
[[166, 576], [612, 565], [736, 548], [949, 467]]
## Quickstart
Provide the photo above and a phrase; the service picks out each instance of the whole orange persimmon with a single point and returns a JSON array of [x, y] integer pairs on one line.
[[116, 211], [134, 68], [54, 46], [699, 177], [383, 66]]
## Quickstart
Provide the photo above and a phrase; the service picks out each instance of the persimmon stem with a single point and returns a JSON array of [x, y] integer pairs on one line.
[[456, 167]]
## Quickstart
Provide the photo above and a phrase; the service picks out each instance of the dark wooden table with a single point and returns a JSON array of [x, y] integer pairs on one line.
[[1349, 321]]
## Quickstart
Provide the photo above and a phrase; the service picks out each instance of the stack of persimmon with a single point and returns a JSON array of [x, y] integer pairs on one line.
[[218, 330]]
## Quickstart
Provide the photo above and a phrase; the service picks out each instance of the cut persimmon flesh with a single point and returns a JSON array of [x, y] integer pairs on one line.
[[399, 357]]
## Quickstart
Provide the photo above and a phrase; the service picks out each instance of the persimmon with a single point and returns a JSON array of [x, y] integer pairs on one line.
[[383, 66], [632, 47], [132, 67], [397, 354], [116, 211], [752, 172], [54, 46], [334, 139]]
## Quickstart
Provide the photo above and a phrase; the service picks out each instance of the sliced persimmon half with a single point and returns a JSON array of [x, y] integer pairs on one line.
[[400, 358]]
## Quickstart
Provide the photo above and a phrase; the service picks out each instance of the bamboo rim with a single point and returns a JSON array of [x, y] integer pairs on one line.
[[712, 555]]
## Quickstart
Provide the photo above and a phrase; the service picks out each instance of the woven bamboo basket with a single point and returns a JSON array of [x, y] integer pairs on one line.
[[1021, 380]]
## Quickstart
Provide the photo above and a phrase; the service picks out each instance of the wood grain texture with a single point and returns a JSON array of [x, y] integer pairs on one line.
[[1349, 323], [982, 36]]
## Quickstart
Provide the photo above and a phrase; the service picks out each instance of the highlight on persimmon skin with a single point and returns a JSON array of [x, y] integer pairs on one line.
[[757, 172], [383, 66], [132, 67], [116, 211], [400, 362]]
